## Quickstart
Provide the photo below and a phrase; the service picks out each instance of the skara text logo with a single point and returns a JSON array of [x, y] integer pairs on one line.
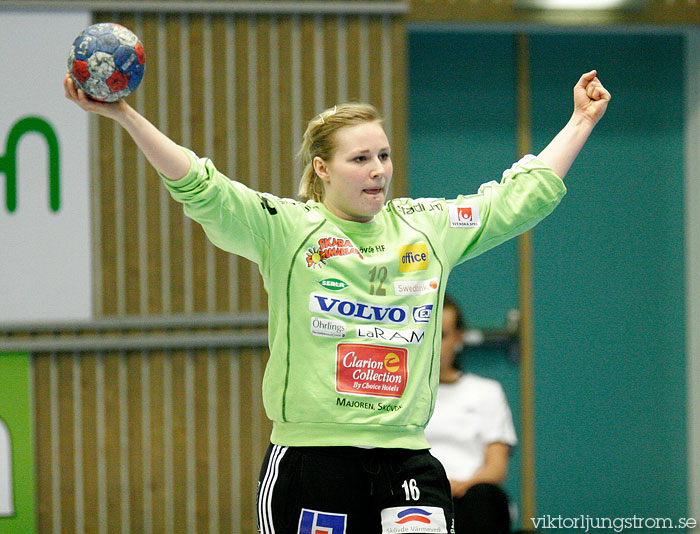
[[397, 315], [328, 248]]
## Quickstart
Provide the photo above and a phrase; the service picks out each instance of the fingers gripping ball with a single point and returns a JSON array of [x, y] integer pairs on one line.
[[107, 61]]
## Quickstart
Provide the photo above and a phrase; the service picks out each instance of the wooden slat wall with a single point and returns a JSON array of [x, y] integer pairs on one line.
[[239, 89], [148, 442], [171, 441]]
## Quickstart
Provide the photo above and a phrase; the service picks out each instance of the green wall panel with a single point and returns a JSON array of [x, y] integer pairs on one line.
[[16, 409]]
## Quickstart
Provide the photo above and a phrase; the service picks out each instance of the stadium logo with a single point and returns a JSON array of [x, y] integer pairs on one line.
[[413, 258], [314, 522], [464, 216], [395, 315], [329, 248], [408, 520]]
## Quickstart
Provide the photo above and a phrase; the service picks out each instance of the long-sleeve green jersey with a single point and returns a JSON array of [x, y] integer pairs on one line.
[[355, 308]]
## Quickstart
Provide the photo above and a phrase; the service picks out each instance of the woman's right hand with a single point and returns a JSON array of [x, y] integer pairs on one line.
[[112, 110]]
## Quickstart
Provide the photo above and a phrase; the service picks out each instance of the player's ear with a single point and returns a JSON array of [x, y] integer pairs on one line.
[[321, 169]]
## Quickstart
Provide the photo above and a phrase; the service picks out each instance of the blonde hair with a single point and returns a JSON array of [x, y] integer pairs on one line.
[[319, 141]]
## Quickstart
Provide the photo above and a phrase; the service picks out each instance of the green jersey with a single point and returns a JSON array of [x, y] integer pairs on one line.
[[355, 308]]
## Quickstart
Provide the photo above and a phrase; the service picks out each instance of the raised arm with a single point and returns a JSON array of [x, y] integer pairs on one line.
[[590, 102], [162, 152]]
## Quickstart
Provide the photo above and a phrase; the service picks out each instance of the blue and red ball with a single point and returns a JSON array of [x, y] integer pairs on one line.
[[107, 61]]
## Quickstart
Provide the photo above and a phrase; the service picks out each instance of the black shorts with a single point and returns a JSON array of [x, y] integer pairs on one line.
[[349, 490]]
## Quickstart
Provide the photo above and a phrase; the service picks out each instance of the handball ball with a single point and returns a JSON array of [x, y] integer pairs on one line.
[[107, 61]]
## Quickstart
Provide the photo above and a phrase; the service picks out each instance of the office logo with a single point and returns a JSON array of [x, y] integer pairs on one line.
[[413, 258]]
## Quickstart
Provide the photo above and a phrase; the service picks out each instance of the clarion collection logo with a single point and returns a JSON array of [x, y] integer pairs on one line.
[[374, 370]]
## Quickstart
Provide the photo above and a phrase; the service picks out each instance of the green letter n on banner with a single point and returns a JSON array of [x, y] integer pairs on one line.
[[8, 162]]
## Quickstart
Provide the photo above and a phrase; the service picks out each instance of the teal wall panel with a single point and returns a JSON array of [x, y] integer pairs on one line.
[[462, 123], [609, 308], [462, 134]]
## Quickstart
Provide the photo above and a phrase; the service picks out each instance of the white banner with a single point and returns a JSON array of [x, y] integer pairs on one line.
[[45, 253], [7, 500]]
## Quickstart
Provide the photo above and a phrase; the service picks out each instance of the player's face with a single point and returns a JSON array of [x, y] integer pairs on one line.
[[357, 175], [451, 338]]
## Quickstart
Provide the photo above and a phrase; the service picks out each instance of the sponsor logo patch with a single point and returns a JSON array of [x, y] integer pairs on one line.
[[421, 314], [371, 370], [413, 520], [328, 327], [402, 337], [333, 284], [413, 258], [330, 248], [395, 315], [416, 287], [419, 207], [315, 522], [464, 216]]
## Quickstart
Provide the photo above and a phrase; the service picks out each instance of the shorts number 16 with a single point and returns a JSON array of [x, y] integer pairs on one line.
[[411, 489]]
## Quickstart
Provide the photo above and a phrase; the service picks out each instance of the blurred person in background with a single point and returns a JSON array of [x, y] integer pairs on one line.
[[471, 432]]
